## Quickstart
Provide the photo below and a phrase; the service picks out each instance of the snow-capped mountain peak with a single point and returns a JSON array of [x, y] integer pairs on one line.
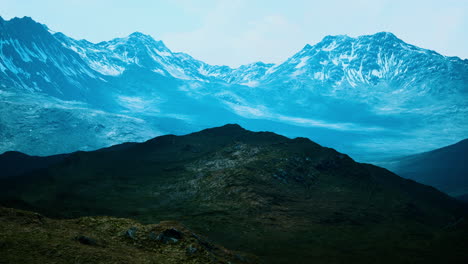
[[115, 56], [140, 35], [342, 61], [32, 60]]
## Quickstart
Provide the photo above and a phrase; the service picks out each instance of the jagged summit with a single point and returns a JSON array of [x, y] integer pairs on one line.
[[382, 35], [331, 42], [135, 37], [138, 34], [344, 37], [307, 46], [328, 43], [331, 38], [24, 25], [24, 19]]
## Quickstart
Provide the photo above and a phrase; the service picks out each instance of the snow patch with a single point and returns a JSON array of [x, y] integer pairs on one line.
[[106, 69], [376, 73], [331, 46], [163, 53], [272, 69], [251, 83], [303, 62], [297, 73], [319, 76], [159, 71]]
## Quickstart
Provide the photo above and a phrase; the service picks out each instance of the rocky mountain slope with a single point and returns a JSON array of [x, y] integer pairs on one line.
[[27, 237], [284, 200], [32, 60], [382, 96], [445, 168]]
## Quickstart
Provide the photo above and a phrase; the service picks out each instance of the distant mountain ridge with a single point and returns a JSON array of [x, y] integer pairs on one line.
[[445, 168], [16, 163], [376, 92]]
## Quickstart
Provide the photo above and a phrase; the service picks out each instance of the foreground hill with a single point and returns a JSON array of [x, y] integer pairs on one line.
[[27, 237], [445, 168], [284, 200]]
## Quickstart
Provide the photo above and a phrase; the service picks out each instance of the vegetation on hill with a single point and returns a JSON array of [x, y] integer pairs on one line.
[[27, 237]]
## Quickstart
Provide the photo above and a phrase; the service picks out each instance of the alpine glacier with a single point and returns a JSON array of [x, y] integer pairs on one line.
[[372, 96]]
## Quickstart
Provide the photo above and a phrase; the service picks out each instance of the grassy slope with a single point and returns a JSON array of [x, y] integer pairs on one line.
[[27, 237]]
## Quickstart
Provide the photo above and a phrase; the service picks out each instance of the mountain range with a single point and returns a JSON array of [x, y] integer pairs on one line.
[[380, 96], [283, 200]]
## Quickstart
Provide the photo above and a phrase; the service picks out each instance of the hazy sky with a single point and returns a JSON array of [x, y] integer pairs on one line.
[[234, 32]]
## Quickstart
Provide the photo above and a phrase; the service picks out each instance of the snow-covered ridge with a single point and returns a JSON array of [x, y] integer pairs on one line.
[[336, 60], [115, 56], [341, 61]]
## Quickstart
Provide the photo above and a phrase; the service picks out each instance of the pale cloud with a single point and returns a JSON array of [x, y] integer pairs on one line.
[[262, 38], [262, 112], [230, 36]]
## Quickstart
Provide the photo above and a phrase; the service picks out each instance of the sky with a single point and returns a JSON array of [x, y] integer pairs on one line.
[[236, 32]]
